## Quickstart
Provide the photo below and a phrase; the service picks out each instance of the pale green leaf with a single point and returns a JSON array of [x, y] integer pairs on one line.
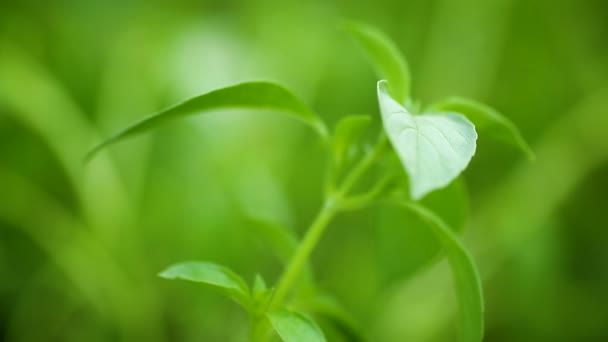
[[218, 276], [466, 277], [347, 131], [385, 57], [295, 327], [255, 95], [433, 148], [486, 120]]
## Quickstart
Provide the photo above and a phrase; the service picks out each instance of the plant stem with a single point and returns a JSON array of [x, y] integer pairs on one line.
[[359, 169], [328, 211], [300, 258]]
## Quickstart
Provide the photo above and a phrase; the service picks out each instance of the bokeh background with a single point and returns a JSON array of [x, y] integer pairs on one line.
[[80, 245]]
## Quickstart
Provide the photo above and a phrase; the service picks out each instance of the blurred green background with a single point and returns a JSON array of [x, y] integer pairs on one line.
[[80, 246]]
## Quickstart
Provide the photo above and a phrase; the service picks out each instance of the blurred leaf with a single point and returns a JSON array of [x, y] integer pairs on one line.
[[280, 240], [487, 120], [295, 327], [385, 57], [212, 274], [282, 243], [450, 203], [258, 95], [466, 277], [327, 306], [434, 149], [347, 131], [402, 253]]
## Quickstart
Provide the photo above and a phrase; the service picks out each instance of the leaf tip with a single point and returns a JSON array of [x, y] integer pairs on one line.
[[166, 274]]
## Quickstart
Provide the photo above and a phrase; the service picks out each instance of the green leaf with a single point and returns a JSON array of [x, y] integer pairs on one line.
[[261, 296], [466, 277], [220, 277], [347, 131], [258, 95], [384, 55], [402, 253], [259, 285], [280, 240], [295, 327], [433, 148], [325, 305], [487, 120]]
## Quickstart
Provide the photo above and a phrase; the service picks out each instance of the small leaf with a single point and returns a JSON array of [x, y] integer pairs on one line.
[[259, 285], [385, 57], [486, 119], [433, 148], [258, 95], [466, 277], [261, 296], [295, 327], [212, 274], [347, 131]]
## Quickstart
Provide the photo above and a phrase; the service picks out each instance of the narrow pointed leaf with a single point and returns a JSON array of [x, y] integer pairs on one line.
[[487, 120], [255, 95], [385, 57], [466, 276], [347, 131], [259, 285], [433, 148], [220, 277], [295, 327]]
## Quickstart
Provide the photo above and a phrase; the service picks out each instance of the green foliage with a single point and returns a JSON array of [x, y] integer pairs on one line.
[[295, 327], [255, 95], [277, 238], [347, 132], [434, 148], [486, 120], [325, 306], [465, 274], [81, 243], [212, 274], [385, 57]]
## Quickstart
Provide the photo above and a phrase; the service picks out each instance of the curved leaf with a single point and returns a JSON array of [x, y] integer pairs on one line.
[[347, 131], [212, 274], [259, 95], [384, 55], [325, 305], [295, 327], [488, 120], [466, 277], [434, 148]]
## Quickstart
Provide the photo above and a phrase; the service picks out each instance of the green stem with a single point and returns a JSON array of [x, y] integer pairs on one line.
[[362, 167], [294, 269], [365, 199], [320, 223]]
